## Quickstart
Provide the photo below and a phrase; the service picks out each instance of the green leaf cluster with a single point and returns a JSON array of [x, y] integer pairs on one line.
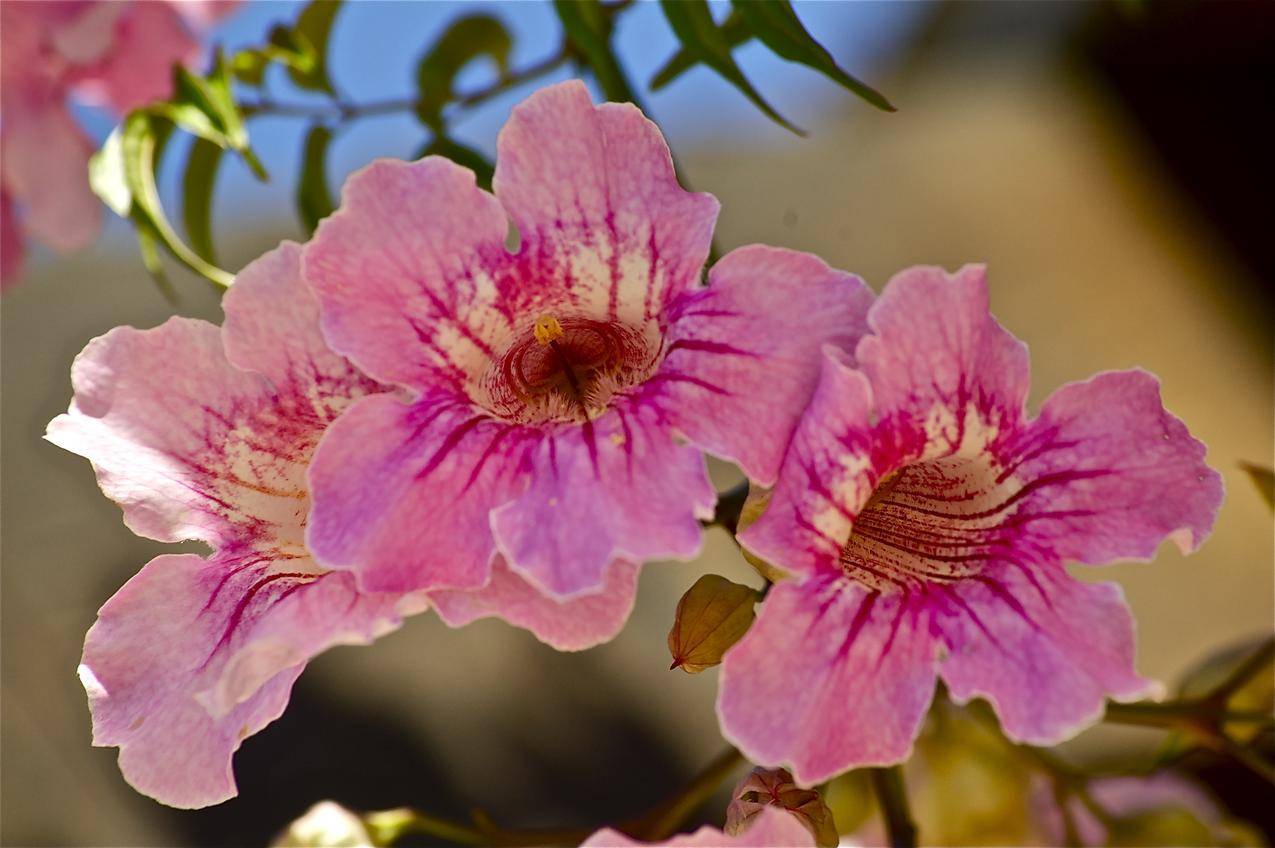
[[772, 22]]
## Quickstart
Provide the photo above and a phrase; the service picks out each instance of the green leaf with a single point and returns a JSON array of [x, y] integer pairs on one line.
[[1262, 477], [314, 29], [736, 33], [589, 26], [205, 106], [779, 28], [148, 246], [314, 201], [693, 23], [249, 65], [197, 196], [467, 39], [464, 155], [141, 141], [106, 175]]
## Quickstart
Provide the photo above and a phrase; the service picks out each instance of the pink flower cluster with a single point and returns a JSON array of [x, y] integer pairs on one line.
[[409, 413], [110, 53]]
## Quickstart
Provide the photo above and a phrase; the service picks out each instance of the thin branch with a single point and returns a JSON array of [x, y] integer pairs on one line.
[[346, 111], [730, 504], [667, 817], [893, 801]]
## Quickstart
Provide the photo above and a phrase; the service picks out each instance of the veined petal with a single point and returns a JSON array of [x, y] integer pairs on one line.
[[828, 473], [564, 625], [744, 354], [831, 676], [402, 492], [187, 444], [1128, 473], [771, 828], [192, 656], [1045, 649], [936, 355], [595, 198], [272, 327], [618, 489], [405, 272]]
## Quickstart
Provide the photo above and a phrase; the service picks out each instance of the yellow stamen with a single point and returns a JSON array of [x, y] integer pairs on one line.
[[547, 330]]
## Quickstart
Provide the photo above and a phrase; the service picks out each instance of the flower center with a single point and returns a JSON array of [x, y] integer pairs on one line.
[[567, 368], [933, 522]]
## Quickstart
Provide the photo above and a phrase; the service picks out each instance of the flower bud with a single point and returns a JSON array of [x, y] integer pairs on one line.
[[325, 825], [763, 788], [711, 617], [754, 505]]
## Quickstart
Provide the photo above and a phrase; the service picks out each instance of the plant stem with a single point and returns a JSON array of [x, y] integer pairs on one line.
[[730, 504], [893, 800], [667, 817], [346, 111], [1180, 714]]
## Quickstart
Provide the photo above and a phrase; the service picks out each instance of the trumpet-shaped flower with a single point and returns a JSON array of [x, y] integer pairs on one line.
[[925, 519], [201, 433], [560, 393], [115, 54]]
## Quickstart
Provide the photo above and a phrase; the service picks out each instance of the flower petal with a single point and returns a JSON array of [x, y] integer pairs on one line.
[[826, 476], [272, 326], [402, 492], [404, 272], [149, 38], [192, 656], [1128, 474], [1045, 649], [619, 489], [937, 352], [595, 198], [747, 351], [770, 829], [45, 163], [169, 426], [566, 626], [830, 677]]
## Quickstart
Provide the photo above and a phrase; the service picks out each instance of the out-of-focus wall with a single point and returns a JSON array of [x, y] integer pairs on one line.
[[996, 155]]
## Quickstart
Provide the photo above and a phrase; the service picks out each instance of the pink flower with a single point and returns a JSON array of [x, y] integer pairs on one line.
[[200, 433], [560, 393], [770, 828], [117, 54], [926, 519]]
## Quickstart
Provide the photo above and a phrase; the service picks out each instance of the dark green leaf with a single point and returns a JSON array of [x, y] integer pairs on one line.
[[250, 65], [467, 39], [314, 28], [779, 28], [314, 201], [205, 106], [463, 155], [148, 246], [736, 32], [693, 23], [197, 196], [588, 27]]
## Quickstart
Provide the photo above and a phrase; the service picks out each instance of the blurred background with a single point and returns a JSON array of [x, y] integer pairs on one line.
[[1110, 162]]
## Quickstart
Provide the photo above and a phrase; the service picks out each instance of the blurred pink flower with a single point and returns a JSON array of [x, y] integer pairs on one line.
[[561, 393], [200, 433], [770, 828], [115, 54], [1134, 802], [926, 519]]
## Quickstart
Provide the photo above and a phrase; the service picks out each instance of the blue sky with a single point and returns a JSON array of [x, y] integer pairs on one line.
[[376, 45]]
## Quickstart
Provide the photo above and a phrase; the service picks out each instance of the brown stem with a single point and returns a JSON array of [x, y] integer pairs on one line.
[[665, 819], [893, 801]]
